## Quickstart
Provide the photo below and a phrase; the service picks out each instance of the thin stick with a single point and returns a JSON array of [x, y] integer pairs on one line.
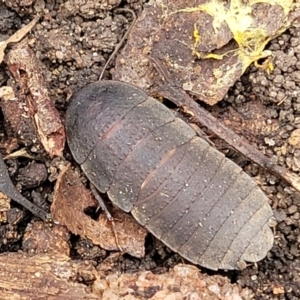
[[7, 188], [117, 48], [181, 99]]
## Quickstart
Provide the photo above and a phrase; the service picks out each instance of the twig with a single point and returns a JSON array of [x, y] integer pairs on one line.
[[117, 48], [181, 98]]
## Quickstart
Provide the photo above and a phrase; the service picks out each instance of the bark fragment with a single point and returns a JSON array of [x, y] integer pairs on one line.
[[31, 94], [55, 276], [42, 276]]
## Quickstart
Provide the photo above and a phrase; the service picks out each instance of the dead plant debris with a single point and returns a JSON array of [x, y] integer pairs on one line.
[[16, 37], [71, 199], [56, 276], [26, 105], [204, 48], [74, 45]]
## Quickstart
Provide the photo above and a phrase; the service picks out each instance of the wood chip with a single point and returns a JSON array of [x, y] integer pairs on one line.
[[34, 97], [56, 276], [42, 276]]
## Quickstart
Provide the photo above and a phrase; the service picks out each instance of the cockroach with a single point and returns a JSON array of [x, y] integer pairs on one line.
[[153, 165]]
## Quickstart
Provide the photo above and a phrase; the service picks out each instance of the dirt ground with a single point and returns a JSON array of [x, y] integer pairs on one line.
[[74, 41]]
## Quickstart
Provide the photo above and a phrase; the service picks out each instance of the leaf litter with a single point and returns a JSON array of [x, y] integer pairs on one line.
[[71, 199], [196, 37], [204, 48]]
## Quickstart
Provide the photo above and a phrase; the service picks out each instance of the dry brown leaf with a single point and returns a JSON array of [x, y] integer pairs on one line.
[[202, 46], [71, 198], [32, 99], [17, 36]]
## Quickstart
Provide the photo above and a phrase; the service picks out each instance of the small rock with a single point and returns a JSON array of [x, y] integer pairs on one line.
[[292, 209], [32, 175], [294, 139]]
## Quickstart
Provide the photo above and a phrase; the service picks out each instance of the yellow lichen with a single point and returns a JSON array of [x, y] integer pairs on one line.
[[240, 19]]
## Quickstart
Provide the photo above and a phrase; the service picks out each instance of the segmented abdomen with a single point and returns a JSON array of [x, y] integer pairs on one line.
[[174, 183]]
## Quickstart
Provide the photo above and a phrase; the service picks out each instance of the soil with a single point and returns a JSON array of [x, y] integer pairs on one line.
[[73, 42]]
